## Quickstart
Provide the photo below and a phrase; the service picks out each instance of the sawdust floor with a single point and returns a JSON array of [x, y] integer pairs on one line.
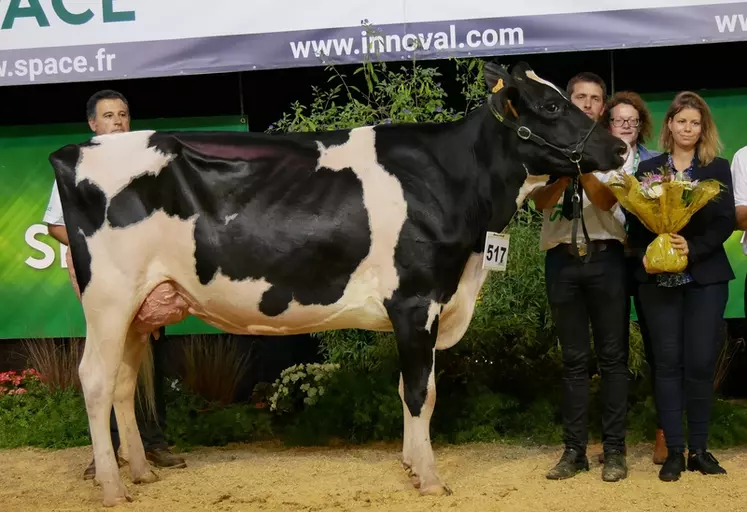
[[269, 477]]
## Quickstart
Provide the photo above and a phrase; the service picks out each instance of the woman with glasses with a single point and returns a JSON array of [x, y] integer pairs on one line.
[[628, 118]]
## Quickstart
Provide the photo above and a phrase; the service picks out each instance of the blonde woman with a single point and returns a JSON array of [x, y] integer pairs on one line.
[[684, 311]]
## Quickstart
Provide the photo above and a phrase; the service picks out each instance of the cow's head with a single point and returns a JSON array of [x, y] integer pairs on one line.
[[555, 136]]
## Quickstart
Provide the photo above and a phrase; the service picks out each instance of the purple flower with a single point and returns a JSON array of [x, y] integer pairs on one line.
[[651, 179]]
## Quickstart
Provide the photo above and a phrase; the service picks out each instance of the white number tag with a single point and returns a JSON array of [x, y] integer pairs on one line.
[[495, 255]]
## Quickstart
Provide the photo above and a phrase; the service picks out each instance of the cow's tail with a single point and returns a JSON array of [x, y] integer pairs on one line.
[[146, 391]]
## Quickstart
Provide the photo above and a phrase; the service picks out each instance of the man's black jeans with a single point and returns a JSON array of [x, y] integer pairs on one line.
[[151, 432], [579, 293]]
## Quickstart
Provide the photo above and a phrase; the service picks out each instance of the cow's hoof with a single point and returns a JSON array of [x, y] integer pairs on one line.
[[146, 478], [435, 490], [117, 498], [415, 479]]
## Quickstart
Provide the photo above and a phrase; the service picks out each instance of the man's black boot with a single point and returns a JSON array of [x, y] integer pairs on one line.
[[571, 462], [615, 467]]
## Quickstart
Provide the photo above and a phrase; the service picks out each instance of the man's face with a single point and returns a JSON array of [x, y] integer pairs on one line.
[[112, 116], [588, 96]]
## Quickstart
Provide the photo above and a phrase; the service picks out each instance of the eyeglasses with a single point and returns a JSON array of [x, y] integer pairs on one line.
[[633, 123]]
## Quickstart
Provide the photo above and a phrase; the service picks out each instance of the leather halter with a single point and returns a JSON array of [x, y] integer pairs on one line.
[[523, 132]]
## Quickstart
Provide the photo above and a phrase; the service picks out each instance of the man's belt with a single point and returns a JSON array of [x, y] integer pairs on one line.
[[594, 245]]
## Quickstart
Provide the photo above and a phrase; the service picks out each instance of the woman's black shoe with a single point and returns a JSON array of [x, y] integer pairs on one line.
[[703, 461], [673, 466]]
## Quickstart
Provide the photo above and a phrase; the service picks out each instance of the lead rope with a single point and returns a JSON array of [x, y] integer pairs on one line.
[[578, 213]]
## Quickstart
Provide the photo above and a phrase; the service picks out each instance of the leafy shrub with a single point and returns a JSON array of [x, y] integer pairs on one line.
[[485, 416], [509, 344], [359, 350], [408, 94], [191, 420], [728, 424], [356, 408], [42, 416], [300, 385], [641, 421]]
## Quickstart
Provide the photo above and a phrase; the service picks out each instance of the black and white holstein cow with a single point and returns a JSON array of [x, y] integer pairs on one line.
[[378, 228]]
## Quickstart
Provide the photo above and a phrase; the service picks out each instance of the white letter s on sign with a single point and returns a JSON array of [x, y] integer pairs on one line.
[[47, 251]]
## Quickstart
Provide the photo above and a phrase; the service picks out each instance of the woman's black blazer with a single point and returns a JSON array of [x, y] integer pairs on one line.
[[706, 232]]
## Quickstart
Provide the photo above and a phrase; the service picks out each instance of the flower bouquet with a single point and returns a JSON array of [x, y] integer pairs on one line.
[[664, 202]]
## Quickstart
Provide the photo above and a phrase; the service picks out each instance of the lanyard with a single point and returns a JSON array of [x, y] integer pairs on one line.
[[636, 161]]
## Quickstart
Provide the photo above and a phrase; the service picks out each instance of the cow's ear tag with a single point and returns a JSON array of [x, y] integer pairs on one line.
[[498, 86], [495, 255]]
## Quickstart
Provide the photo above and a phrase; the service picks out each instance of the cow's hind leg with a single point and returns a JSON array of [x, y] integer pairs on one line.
[[124, 407], [99, 366], [415, 322]]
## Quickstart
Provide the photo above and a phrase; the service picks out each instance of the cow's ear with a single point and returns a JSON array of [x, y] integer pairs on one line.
[[497, 77], [521, 70], [505, 94]]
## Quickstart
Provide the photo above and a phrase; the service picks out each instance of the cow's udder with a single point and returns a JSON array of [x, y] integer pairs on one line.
[[162, 306]]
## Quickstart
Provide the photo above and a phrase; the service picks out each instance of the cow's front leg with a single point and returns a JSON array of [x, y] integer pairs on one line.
[[406, 444], [415, 322]]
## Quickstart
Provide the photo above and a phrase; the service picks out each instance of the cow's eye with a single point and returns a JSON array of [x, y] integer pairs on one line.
[[552, 108]]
